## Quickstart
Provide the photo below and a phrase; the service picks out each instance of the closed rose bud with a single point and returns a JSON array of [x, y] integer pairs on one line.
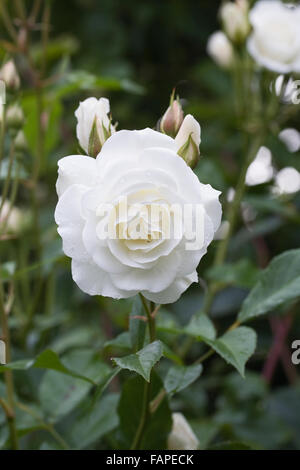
[[188, 140], [11, 218], [172, 119], [182, 436], [9, 75], [234, 16], [220, 49], [93, 124], [14, 117], [20, 142]]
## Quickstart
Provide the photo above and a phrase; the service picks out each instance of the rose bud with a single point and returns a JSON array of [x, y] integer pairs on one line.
[[93, 124], [220, 49], [182, 436], [14, 117], [173, 117], [9, 74], [234, 16], [20, 142], [188, 140]]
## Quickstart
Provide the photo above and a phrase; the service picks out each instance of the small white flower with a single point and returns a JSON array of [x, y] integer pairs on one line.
[[260, 170], [291, 138], [275, 40], [182, 436], [220, 49], [234, 16], [143, 169], [287, 181], [88, 111]]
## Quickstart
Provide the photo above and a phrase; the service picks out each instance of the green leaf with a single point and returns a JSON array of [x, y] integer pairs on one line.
[[46, 360], [142, 361], [103, 385], [278, 283], [236, 346], [201, 327], [120, 342], [137, 327], [59, 394], [78, 80], [130, 408], [90, 426], [169, 354], [242, 274], [180, 377]]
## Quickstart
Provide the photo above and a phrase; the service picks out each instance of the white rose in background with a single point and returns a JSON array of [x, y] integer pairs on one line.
[[234, 16], [143, 167], [287, 181], [92, 112], [275, 40], [220, 49], [182, 436], [260, 170], [291, 138]]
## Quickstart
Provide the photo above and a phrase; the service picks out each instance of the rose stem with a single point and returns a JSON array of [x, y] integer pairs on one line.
[[147, 386]]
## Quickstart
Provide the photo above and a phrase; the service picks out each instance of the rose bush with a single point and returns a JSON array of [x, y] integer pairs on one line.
[[142, 166]]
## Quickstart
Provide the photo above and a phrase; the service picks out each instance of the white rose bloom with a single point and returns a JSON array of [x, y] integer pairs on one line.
[[220, 49], [86, 113], [182, 436], [143, 167], [287, 181], [260, 170], [291, 138], [275, 40]]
